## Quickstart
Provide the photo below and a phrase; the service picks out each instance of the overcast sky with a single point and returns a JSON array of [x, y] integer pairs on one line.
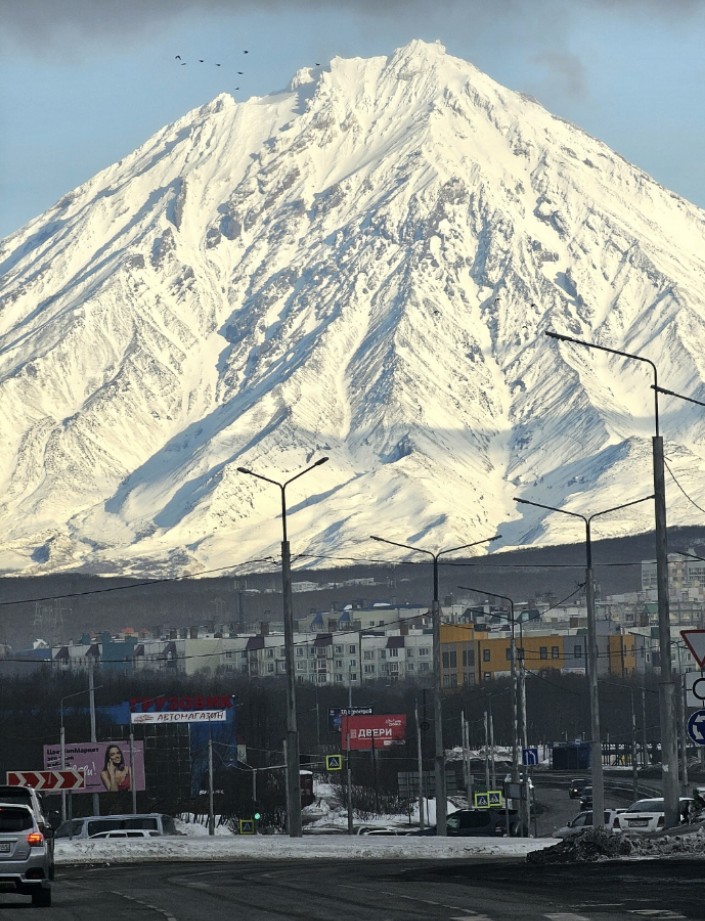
[[84, 82]]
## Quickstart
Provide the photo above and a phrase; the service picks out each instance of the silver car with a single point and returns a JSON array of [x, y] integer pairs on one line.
[[24, 854], [583, 820]]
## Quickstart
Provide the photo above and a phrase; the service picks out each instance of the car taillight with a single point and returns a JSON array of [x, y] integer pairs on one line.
[[35, 839], [661, 821], [616, 824]]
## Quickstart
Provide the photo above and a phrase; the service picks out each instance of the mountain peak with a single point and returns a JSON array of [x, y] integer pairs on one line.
[[362, 267]]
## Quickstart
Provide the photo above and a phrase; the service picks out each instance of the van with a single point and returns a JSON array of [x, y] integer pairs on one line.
[[92, 825]]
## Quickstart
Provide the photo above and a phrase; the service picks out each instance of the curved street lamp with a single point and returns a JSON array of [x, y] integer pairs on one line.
[[439, 750], [597, 777], [293, 793]]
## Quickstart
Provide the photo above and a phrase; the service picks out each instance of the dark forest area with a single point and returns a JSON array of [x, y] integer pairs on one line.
[[33, 706]]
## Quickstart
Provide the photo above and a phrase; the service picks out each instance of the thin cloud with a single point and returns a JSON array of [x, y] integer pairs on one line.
[[566, 70]]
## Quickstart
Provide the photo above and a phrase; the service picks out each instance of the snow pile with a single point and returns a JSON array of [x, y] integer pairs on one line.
[[596, 844]]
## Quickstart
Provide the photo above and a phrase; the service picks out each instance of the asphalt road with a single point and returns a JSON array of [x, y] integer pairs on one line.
[[395, 890]]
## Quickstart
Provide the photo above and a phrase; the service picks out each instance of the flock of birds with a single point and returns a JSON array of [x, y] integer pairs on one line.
[[240, 73], [183, 63]]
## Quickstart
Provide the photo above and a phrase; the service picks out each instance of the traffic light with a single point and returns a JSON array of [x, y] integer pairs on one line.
[[256, 812]]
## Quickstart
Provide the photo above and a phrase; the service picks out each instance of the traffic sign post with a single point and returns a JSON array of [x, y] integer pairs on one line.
[[334, 762], [65, 779]]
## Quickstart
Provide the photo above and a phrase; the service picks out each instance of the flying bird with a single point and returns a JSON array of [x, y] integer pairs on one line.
[[178, 57]]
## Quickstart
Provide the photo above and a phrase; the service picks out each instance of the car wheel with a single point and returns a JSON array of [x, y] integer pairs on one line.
[[42, 898]]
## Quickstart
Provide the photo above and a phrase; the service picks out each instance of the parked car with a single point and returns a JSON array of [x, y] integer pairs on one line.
[[647, 815], [583, 820], [91, 825], [586, 797], [24, 854], [28, 796], [128, 833], [575, 787], [478, 822]]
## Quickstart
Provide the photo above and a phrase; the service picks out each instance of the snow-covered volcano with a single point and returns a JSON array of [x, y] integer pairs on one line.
[[363, 267]]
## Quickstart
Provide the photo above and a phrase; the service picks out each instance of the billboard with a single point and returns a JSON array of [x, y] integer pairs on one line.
[[336, 714], [106, 764], [365, 733]]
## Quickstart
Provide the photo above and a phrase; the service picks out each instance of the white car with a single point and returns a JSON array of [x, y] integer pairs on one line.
[[127, 833], [647, 815], [583, 820]]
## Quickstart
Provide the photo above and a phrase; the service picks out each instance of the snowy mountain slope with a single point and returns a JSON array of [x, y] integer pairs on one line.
[[361, 267]]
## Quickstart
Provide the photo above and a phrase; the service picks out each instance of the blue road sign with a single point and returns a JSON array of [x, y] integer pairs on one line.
[[529, 756], [482, 801], [696, 727]]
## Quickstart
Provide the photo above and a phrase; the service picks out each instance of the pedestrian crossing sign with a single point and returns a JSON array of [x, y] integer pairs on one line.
[[334, 762], [488, 799], [247, 826]]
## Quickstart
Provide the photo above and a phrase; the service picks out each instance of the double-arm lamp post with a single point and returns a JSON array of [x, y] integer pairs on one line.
[[596, 773], [667, 708], [514, 696], [439, 750], [293, 790]]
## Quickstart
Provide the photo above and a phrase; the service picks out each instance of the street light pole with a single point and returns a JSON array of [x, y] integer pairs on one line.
[[440, 773], [62, 731], [293, 794], [596, 772], [514, 696], [667, 709]]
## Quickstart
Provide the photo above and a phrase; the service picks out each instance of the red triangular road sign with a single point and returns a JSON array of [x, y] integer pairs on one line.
[[695, 641]]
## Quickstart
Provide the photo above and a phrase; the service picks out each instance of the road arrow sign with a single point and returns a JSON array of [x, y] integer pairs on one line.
[[695, 641], [64, 779], [696, 727]]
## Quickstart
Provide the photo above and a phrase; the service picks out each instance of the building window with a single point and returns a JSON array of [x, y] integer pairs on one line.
[[368, 654], [338, 650], [339, 664], [555, 652], [425, 651], [300, 666], [543, 652], [339, 680], [300, 651], [486, 655], [352, 648], [270, 653], [369, 669], [424, 667], [353, 676], [450, 659], [394, 653], [578, 651]]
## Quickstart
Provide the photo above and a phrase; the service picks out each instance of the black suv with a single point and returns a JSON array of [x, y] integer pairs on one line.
[[467, 823], [575, 788]]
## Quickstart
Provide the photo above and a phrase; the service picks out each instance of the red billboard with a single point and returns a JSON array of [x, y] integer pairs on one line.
[[364, 733]]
